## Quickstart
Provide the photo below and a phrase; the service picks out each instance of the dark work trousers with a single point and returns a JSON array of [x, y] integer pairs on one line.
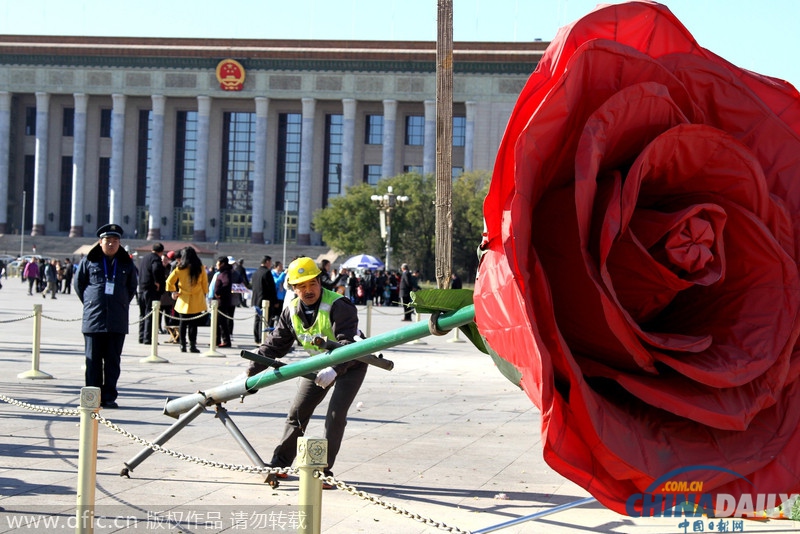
[[308, 397], [146, 300], [258, 323], [408, 310], [103, 354], [189, 324]]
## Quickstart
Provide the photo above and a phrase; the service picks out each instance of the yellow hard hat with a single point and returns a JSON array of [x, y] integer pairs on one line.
[[302, 269]]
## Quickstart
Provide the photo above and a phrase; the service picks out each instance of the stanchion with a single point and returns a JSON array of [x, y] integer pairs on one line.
[[312, 455], [455, 338], [87, 460], [212, 350], [369, 318], [264, 320], [154, 357], [417, 341], [37, 337]]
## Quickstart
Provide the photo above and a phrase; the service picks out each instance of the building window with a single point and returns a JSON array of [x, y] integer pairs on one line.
[[412, 168], [374, 130], [334, 125], [238, 160], [415, 130], [289, 140], [372, 174], [145, 152], [456, 172], [459, 131], [68, 123], [65, 204], [185, 159], [103, 191], [30, 120], [105, 122]]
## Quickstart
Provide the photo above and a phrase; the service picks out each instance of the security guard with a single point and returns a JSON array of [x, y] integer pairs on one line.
[[106, 283], [314, 312]]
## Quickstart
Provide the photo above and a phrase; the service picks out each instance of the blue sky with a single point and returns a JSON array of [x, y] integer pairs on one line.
[[758, 35]]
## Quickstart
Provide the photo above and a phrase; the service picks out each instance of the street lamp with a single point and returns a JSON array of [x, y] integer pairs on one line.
[[386, 203]]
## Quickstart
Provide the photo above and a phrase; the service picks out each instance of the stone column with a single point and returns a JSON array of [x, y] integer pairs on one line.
[[429, 144], [156, 162], [469, 136], [260, 177], [306, 177], [78, 165], [348, 143], [40, 172], [5, 139], [201, 177], [389, 126], [117, 154]]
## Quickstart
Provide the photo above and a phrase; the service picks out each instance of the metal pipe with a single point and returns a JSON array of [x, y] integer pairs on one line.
[[230, 426], [537, 515], [268, 377]]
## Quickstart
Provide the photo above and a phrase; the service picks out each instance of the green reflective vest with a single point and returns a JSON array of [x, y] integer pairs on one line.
[[322, 324]]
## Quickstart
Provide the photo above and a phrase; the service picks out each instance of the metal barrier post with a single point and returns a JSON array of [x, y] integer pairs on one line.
[[212, 350], [312, 455], [417, 341], [37, 338], [264, 320], [87, 460], [369, 318], [154, 357], [455, 338]]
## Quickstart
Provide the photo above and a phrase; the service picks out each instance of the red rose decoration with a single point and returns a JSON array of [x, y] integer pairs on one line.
[[641, 259]]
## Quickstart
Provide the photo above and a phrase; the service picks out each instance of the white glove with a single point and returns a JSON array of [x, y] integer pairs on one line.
[[325, 377]]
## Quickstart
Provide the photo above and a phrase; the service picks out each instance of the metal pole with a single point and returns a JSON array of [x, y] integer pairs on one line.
[[371, 345], [212, 350], [312, 455], [154, 357], [285, 227], [388, 236], [230, 426], [87, 460], [37, 341], [22, 226], [537, 515], [176, 427]]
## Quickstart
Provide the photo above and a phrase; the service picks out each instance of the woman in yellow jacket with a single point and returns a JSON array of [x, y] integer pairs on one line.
[[188, 283]]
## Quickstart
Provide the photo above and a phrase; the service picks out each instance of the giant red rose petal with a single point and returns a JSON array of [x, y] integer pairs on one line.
[[640, 267]]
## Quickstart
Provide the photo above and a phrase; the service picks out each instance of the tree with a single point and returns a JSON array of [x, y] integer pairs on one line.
[[351, 223], [469, 191]]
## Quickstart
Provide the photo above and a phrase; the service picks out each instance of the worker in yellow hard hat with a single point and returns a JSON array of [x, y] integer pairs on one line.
[[314, 312]]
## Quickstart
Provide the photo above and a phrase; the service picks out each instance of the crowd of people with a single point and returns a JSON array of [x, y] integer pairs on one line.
[[47, 276]]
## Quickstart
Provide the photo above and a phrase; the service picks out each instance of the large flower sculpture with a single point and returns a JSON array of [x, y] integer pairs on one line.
[[640, 266]]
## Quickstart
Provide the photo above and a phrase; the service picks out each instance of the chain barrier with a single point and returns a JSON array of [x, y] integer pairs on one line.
[[19, 319], [239, 468], [237, 318], [180, 319], [61, 320]]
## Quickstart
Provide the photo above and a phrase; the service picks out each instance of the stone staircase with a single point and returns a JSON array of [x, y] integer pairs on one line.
[[68, 247]]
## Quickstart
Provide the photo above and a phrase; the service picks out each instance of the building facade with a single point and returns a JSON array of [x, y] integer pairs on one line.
[[230, 141]]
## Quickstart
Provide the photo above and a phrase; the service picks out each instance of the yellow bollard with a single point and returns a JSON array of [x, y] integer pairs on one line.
[[312, 455], [264, 320], [369, 318], [417, 341], [37, 339], [87, 460], [154, 357], [455, 338], [212, 350]]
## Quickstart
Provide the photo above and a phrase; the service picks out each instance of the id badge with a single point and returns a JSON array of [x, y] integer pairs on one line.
[[109, 288]]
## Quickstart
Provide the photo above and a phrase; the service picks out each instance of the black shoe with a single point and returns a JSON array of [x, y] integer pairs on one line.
[[194, 349], [111, 405], [183, 348]]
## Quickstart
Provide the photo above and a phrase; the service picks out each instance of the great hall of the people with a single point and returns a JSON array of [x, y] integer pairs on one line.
[[230, 140]]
